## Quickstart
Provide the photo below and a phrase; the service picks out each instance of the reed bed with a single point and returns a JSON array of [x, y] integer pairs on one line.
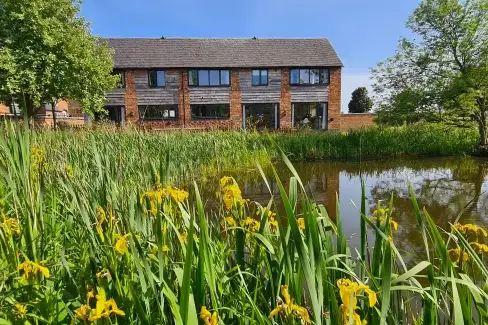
[[96, 232]]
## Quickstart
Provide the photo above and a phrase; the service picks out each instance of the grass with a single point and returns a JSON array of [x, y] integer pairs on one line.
[[207, 155], [94, 232]]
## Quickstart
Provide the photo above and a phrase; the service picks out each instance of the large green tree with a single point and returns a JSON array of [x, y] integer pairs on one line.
[[360, 101], [443, 75], [47, 53]]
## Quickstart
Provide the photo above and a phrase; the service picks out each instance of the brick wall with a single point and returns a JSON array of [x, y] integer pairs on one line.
[[357, 121], [4, 109], [235, 100], [285, 100], [131, 108], [335, 88]]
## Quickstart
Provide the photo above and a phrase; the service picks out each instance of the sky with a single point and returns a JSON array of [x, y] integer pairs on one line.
[[363, 32]]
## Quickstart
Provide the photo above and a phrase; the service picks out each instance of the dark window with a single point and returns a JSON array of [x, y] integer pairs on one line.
[[121, 75], [259, 77], [309, 76], [158, 112], [209, 77], [156, 78], [210, 111], [193, 78]]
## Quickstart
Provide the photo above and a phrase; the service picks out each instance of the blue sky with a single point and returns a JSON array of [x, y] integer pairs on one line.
[[363, 32]]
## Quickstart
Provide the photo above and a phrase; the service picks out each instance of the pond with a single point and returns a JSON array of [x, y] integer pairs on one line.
[[446, 187]]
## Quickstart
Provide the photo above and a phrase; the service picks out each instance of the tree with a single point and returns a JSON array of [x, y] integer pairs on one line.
[[360, 102], [47, 54], [444, 74]]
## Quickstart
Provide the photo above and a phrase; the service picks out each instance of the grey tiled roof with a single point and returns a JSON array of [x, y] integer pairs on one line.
[[222, 53]]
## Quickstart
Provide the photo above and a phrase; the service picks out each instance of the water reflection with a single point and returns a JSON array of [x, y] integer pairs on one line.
[[445, 187]]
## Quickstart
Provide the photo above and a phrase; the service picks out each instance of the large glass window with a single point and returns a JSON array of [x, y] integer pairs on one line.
[[310, 115], [156, 78], [309, 76], [158, 112], [259, 77], [261, 116], [208, 77], [210, 111]]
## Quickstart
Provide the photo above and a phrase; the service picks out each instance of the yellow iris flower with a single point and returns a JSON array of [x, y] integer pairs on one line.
[[31, 269], [103, 309], [382, 221], [230, 193], [122, 245], [455, 255], [20, 310], [288, 310], [207, 317], [349, 290], [479, 248], [11, 226], [470, 229]]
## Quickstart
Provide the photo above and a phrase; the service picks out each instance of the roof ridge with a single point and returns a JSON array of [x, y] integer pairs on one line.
[[216, 38]]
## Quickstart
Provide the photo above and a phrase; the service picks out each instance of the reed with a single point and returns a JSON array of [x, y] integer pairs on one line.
[[94, 231]]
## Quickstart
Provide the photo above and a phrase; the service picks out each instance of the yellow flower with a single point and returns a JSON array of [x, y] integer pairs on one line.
[[122, 245], [470, 229], [228, 222], [165, 249], [226, 180], [301, 224], [103, 309], [382, 221], [273, 224], [349, 290], [68, 169], [250, 224], [82, 312], [207, 317], [103, 274], [230, 193], [31, 269], [176, 194], [11, 226], [20, 310], [479, 248], [288, 310], [455, 255]]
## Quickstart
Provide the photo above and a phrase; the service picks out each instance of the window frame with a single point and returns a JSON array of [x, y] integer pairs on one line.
[[208, 72], [260, 84], [163, 106], [321, 81], [149, 78], [201, 118]]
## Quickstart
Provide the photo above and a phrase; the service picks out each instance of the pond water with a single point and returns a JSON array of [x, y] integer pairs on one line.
[[446, 187]]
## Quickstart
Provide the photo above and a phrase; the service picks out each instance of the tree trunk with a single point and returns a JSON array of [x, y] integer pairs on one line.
[[53, 110], [482, 128]]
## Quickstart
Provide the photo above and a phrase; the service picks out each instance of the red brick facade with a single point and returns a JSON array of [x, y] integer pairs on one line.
[[285, 100], [235, 100], [334, 112], [357, 121], [235, 120], [131, 108]]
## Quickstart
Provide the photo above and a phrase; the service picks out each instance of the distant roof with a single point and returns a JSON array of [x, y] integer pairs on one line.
[[222, 53]]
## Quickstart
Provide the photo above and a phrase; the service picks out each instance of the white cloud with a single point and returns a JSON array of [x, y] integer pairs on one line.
[[351, 81]]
